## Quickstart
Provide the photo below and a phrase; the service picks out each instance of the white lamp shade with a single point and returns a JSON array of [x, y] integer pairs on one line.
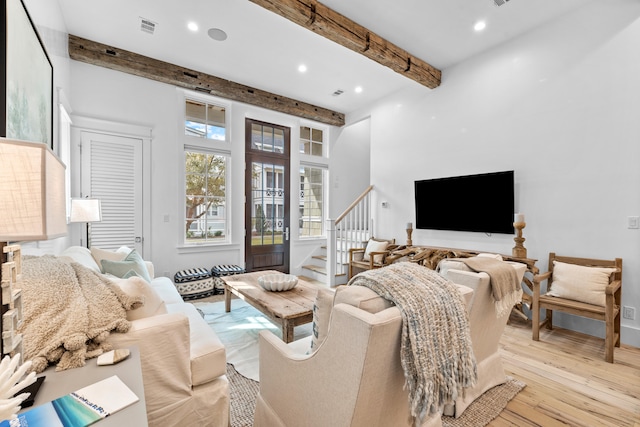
[[32, 192], [85, 210]]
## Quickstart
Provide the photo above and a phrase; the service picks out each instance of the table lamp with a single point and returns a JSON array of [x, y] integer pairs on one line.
[[32, 207]]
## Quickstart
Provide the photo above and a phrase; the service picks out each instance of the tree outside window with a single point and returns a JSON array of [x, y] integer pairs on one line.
[[205, 178]]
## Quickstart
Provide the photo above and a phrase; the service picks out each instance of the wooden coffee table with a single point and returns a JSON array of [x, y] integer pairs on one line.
[[287, 309]]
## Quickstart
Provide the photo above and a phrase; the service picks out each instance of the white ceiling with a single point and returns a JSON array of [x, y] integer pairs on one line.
[[264, 50]]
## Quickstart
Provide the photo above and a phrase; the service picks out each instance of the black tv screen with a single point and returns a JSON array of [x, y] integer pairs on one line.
[[483, 202]]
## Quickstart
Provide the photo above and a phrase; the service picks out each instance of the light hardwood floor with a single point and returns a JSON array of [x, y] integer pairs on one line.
[[568, 381]]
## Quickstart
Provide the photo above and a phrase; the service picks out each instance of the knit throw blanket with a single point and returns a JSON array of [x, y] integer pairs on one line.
[[505, 287], [68, 312], [436, 352]]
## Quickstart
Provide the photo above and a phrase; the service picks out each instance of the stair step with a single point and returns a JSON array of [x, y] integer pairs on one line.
[[320, 257], [312, 280], [316, 268]]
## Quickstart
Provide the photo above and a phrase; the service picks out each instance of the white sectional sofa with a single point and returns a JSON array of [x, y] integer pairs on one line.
[[183, 361]]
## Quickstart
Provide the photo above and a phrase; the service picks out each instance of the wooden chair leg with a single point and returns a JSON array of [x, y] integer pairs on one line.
[[549, 319], [535, 320], [609, 337]]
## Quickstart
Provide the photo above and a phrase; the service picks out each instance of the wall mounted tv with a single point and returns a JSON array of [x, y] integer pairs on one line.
[[483, 202]]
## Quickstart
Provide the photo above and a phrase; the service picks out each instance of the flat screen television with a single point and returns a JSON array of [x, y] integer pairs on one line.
[[482, 202]]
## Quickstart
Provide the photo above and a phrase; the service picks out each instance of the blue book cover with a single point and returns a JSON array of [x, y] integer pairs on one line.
[[80, 408]]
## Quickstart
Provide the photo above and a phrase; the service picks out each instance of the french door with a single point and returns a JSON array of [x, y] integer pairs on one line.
[[267, 186]]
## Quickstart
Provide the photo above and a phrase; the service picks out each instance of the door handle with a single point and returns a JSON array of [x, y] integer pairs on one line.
[[138, 239], [286, 233]]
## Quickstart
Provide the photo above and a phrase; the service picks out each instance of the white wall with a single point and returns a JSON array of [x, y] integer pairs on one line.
[[350, 165], [119, 97], [560, 107]]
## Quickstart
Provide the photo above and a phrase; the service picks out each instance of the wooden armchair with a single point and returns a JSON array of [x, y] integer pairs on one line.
[[372, 256], [584, 287]]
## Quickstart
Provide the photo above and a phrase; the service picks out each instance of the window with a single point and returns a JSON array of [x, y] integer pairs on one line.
[[311, 141], [206, 170], [206, 197], [203, 120], [312, 187]]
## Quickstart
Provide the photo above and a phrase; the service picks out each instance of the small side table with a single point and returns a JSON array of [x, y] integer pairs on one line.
[[58, 384]]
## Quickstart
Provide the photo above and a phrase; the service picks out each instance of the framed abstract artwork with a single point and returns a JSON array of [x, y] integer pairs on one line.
[[26, 80]]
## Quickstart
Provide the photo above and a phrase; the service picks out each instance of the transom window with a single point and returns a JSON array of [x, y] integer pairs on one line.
[[311, 141], [203, 120]]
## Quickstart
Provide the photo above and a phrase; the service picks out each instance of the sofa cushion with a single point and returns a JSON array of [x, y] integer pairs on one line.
[[167, 290], [137, 287], [132, 262], [208, 356], [580, 283], [82, 256]]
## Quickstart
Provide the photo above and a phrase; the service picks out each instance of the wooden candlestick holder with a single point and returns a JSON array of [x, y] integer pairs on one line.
[[409, 232], [519, 250]]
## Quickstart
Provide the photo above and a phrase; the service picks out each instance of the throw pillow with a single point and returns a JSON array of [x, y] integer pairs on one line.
[[135, 286], [321, 317], [375, 246], [100, 254], [122, 268], [496, 256], [580, 283]]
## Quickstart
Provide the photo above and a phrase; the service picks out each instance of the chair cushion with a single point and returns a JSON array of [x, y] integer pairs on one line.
[[375, 246], [580, 283], [361, 297]]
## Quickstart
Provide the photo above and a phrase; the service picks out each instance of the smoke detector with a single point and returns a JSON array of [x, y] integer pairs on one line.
[[338, 92], [147, 26]]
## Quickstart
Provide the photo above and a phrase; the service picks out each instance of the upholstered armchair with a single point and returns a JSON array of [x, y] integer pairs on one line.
[[486, 329], [354, 378], [373, 255]]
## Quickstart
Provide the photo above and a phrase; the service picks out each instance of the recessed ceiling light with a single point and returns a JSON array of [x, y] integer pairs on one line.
[[358, 89], [302, 68], [192, 26], [480, 25], [217, 34]]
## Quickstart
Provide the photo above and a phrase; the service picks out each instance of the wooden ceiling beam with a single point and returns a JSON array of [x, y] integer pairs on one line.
[[336, 27], [132, 63]]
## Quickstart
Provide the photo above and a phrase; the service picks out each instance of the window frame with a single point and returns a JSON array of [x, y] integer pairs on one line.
[[217, 147]]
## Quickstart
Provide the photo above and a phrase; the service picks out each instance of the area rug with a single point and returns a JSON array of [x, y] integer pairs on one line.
[[244, 330], [239, 330]]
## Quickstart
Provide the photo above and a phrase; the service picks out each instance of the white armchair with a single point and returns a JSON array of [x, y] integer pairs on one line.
[[354, 377], [486, 330]]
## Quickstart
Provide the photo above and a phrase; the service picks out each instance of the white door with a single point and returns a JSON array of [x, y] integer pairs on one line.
[[112, 172]]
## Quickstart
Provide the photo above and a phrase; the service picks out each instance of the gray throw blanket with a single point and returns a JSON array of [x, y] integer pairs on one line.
[[68, 312], [436, 351], [505, 287]]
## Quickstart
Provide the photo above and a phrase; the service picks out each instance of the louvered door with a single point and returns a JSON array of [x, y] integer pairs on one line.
[[112, 172]]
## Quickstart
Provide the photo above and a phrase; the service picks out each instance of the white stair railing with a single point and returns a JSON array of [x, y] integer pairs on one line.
[[350, 230]]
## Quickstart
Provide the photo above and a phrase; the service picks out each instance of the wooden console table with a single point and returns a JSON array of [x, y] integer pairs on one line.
[[421, 253]]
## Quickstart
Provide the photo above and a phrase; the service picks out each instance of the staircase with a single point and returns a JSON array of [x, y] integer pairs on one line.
[[352, 229]]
